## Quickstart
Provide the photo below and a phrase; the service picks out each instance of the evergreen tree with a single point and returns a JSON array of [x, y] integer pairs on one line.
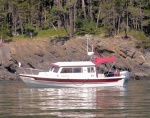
[[29, 16]]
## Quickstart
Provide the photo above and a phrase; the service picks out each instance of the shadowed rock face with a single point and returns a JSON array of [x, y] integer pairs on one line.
[[40, 53]]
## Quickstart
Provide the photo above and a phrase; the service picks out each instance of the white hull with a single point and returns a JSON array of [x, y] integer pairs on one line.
[[30, 82], [74, 74]]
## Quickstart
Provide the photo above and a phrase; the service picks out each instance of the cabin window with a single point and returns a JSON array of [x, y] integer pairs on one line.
[[71, 70], [77, 70], [90, 69], [66, 70], [56, 69]]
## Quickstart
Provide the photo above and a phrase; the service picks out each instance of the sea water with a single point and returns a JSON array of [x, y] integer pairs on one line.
[[17, 100]]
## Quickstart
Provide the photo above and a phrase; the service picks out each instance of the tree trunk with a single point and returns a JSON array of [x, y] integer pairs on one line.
[[15, 26], [127, 18], [141, 17], [114, 24], [119, 25], [64, 23], [13, 19], [99, 11], [71, 16], [45, 15], [21, 25], [58, 5], [75, 12], [136, 25], [83, 8], [91, 9], [127, 27]]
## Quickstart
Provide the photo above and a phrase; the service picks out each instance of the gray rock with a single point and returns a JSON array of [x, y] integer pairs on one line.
[[39, 54]]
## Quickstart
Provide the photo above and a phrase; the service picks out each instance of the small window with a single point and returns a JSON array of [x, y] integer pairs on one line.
[[66, 70], [77, 70], [90, 69]]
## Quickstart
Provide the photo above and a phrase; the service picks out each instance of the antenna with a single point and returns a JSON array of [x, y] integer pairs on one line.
[[19, 64], [90, 53]]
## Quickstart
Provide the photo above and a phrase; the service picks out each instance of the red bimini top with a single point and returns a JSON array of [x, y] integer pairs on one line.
[[100, 60]]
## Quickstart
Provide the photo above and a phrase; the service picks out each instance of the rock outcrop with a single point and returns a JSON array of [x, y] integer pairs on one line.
[[39, 53]]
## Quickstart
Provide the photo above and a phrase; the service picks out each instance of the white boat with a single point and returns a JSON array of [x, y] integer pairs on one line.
[[76, 74]]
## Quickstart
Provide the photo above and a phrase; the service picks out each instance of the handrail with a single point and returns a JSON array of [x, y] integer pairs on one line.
[[31, 71]]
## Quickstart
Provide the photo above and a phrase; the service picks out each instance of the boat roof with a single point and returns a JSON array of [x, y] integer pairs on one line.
[[73, 64], [96, 62]]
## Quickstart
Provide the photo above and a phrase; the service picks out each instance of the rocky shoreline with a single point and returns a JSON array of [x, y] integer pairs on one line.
[[39, 53]]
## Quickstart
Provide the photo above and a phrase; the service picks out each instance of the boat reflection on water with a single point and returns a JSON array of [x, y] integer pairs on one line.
[[75, 102]]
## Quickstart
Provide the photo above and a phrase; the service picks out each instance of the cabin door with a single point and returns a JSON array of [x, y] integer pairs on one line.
[[91, 72]]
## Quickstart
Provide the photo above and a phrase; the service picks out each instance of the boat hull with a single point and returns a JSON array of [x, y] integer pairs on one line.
[[39, 82]]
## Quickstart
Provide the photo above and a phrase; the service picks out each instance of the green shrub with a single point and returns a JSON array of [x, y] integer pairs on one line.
[[139, 35], [108, 30], [30, 31], [145, 44], [86, 27]]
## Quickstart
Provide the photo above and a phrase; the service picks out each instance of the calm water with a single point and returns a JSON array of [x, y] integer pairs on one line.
[[16, 100]]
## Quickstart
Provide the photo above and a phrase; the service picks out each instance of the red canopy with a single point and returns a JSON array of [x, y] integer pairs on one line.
[[100, 60]]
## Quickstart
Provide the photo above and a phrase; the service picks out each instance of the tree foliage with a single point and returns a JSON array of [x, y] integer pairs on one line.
[[81, 16]]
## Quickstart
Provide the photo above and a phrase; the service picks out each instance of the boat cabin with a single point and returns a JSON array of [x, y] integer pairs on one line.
[[79, 69], [73, 67]]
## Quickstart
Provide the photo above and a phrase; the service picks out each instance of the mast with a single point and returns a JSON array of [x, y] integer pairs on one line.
[[89, 53]]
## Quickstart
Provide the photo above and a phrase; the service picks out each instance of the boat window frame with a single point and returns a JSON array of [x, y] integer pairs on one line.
[[66, 70], [71, 70], [51, 68], [75, 70], [91, 69], [54, 69]]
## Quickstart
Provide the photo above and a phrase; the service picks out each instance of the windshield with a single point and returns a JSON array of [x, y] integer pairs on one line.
[[54, 69], [51, 68]]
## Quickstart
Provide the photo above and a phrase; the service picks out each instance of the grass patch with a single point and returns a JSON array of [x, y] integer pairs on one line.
[[19, 37], [145, 44], [49, 33], [52, 33], [137, 35]]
